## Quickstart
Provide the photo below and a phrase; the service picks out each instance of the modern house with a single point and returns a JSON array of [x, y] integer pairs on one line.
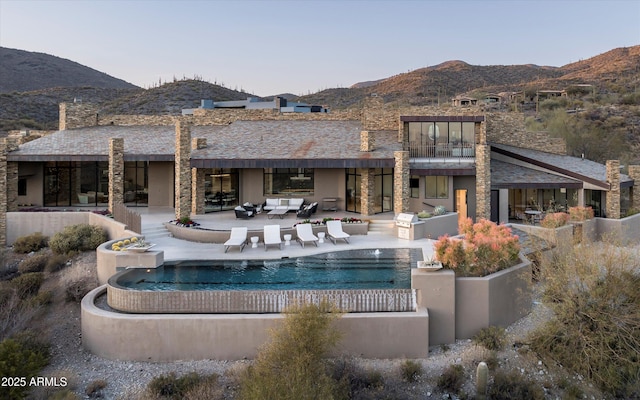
[[377, 159]]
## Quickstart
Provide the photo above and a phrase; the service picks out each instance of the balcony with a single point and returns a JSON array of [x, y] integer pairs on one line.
[[443, 150]]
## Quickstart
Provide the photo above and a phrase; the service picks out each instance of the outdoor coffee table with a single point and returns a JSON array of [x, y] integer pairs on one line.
[[277, 212]]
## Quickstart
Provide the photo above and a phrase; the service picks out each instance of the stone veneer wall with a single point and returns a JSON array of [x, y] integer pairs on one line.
[[77, 115], [634, 192], [613, 195], [183, 168], [367, 192], [509, 129], [483, 181], [367, 141], [401, 175], [116, 172], [198, 180]]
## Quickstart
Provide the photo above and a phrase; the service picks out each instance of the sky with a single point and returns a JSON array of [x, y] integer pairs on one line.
[[273, 47]]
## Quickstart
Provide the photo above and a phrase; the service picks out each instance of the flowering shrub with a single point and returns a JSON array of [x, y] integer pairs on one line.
[[580, 213], [555, 220], [486, 248]]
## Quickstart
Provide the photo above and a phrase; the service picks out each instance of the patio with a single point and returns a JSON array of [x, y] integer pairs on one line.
[[177, 249]]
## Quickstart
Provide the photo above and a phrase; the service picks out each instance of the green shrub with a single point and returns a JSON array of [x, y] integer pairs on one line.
[[410, 370], [293, 364], [512, 385], [30, 243], [35, 263], [56, 262], [77, 238], [491, 338], [25, 357], [452, 378], [27, 284]]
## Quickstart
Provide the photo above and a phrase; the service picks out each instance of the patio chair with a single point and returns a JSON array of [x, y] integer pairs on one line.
[[238, 238], [335, 232], [307, 211], [241, 212], [272, 236], [304, 234]]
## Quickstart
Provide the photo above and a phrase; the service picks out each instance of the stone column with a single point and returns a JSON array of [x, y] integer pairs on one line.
[[634, 191], [613, 195], [367, 192], [197, 180], [367, 141], [183, 168], [12, 186], [483, 181], [401, 182], [116, 172]]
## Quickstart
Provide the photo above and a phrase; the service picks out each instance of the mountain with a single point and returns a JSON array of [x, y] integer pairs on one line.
[[22, 71]]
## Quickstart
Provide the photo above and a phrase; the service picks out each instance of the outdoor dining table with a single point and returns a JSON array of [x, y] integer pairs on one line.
[[533, 214]]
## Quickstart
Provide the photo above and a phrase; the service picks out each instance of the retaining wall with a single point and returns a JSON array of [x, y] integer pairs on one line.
[[170, 337]]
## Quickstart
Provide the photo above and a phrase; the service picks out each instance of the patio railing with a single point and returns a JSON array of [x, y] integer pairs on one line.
[[130, 218], [417, 150]]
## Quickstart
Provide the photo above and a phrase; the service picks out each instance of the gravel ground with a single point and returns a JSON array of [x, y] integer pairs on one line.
[[125, 380]]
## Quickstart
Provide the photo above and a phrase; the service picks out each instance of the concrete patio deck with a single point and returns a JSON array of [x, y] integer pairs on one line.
[[178, 249]]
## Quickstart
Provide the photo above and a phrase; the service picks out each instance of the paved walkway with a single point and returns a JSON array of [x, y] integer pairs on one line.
[[178, 249]]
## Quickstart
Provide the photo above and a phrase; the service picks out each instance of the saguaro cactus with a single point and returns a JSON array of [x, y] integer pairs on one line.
[[482, 375]]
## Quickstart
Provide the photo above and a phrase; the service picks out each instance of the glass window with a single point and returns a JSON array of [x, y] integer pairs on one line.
[[414, 186], [437, 187], [288, 180], [22, 187]]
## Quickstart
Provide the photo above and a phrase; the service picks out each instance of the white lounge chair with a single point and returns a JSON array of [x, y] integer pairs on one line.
[[272, 236], [305, 234], [335, 232], [238, 238]]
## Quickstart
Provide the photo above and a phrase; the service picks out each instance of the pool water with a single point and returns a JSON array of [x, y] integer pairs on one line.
[[350, 269]]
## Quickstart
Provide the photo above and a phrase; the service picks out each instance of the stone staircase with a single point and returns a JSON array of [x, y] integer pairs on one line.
[[382, 226], [154, 232]]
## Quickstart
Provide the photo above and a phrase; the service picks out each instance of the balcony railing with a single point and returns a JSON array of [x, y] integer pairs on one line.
[[444, 150]]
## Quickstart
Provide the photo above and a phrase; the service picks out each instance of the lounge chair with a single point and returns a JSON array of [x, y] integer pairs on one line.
[[272, 236], [335, 232], [238, 238], [241, 212], [305, 234]]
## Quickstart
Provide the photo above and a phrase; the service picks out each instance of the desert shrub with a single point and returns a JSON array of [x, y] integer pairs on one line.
[[35, 263], [15, 313], [23, 356], [76, 238], [594, 292], [42, 298], [580, 213], [293, 364], [632, 211], [452, 379], [64, 394], [555, 220], [355, 380], [30, 243], [410, 370], [27, 284], [512, 385], [424, 214], [491, 338], [56, 262], [76, 289], [439, 210], [172, 386], [486, 248]]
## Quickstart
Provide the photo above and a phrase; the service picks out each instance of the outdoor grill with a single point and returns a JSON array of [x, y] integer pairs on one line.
[[404, 222]]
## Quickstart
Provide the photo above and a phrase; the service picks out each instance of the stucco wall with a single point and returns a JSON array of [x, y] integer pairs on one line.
[[625, 230], [161, 337], [499, 299], [48, 223]]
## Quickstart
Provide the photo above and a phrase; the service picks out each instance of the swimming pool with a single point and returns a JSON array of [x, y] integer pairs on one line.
[[355, 280], [350, 269]]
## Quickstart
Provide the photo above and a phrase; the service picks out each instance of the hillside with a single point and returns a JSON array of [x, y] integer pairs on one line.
[[23, 71]]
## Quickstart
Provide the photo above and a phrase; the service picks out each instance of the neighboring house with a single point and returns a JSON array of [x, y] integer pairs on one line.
[[374, 160], [251, 103], [463, 101]]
